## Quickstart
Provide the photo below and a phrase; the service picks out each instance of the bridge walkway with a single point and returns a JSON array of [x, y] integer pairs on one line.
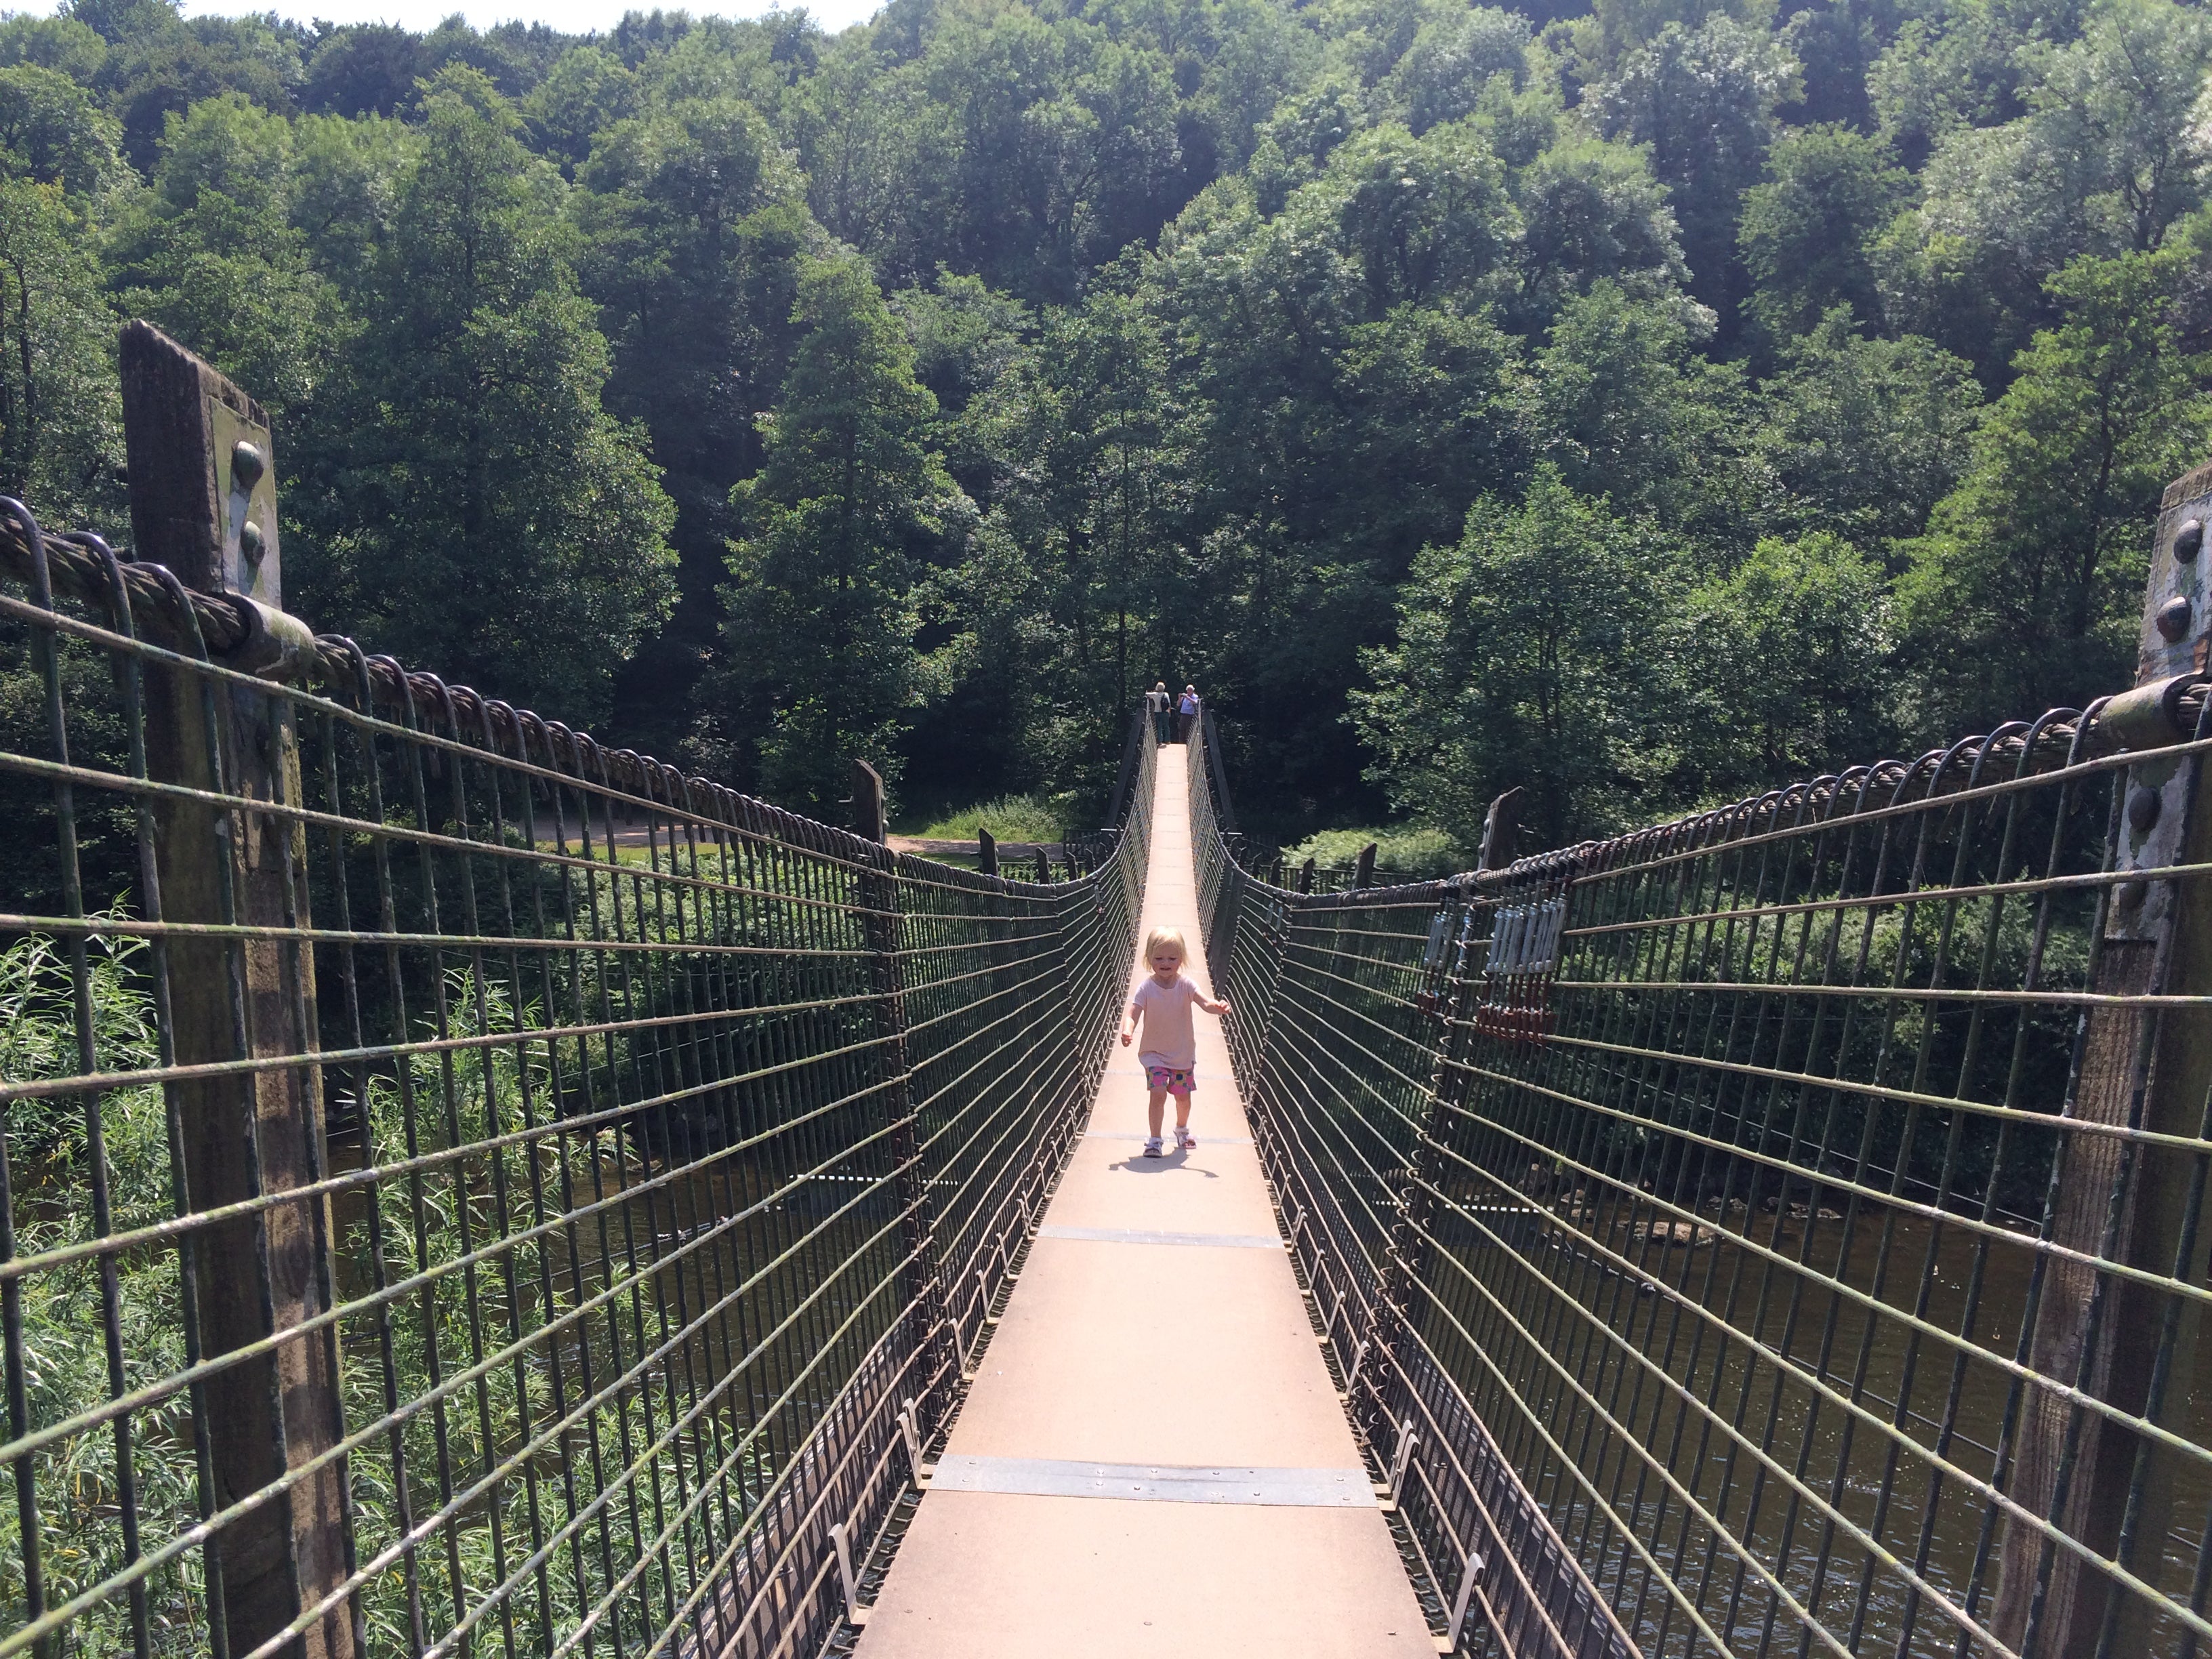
[[1178, 1371]]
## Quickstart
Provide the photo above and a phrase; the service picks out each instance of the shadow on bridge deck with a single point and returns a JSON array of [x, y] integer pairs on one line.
[[1153, 1459]]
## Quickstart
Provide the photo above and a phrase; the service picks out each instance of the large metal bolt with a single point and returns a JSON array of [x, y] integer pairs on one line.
[[252, 544], [2189, 539], [2143, 805], [2173, 618], [248, 464]]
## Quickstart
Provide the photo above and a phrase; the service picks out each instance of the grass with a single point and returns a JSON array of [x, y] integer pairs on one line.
[[61, 1309], [1408, 850], [1031, 818], [431, 1219]]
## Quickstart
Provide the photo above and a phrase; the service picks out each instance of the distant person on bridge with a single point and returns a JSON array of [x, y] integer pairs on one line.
[[1161, 705], [1169, 1055], [1188, 708]]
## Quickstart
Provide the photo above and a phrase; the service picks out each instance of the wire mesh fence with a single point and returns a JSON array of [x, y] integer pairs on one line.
[[1777, 1230], [464, 1190]]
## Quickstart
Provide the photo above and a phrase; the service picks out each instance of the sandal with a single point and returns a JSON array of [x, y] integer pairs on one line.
[[1153, 1147], [1184, 1139]]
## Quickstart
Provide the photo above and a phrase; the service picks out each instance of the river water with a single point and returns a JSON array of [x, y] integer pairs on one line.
[[1662, 1355]]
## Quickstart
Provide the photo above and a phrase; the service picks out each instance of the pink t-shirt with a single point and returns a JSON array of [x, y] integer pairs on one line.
[[1168, 1037]]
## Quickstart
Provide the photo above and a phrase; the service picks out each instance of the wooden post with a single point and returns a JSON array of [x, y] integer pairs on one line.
[[868, 820], [1142, 731], [1498, 828], [1216, 773], [1423, 1167], [920, 1280], [1043, 868], [1362, 872], [986, 851], [2103, 1333], [1306, 877], [202, 502]]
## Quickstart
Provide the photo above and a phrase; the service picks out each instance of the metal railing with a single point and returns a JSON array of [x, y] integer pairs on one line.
[[1777, 1230], [464, 1190]]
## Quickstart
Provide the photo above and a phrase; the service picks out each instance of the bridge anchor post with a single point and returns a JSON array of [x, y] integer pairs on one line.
[[881, 910], [203, 502], [1453, 970], [2138, 1070]]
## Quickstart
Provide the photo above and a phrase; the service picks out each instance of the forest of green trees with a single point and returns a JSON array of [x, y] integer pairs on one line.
[[1643, 406]]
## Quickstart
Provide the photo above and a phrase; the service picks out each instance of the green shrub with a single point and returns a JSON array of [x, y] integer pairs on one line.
[[1010, 817], [1409, 850], [49, 1152], [430, 1218]]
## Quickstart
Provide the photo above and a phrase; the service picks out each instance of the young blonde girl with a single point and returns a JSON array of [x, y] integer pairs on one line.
[[1169, 1055]]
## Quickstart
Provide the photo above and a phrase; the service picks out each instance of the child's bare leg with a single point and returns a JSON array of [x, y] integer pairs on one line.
[[1156, 1106], [1183, 1111]]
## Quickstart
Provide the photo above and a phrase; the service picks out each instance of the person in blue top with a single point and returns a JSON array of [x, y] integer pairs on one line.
[[1187, 710]]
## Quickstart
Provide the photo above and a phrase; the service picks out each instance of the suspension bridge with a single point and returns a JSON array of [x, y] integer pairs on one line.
[[467, 1190], [1152, 1457]]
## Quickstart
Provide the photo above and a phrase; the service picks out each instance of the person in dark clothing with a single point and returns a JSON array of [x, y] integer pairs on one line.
[[1162, 707]]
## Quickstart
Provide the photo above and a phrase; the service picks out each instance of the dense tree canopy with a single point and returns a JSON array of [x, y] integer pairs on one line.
[[1640, 404], [821, 661], [495, 515]]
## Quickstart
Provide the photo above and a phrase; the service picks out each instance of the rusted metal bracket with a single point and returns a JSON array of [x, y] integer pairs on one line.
[[1515, 1004]]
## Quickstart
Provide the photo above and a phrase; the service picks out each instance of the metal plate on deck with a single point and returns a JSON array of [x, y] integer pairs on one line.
[[1156, 1483], [1135, 1236]]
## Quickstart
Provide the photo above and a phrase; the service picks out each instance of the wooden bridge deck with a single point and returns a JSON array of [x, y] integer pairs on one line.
[[1152, 1460]]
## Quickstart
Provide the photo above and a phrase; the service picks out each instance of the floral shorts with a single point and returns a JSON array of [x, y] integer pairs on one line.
[[1173, 1079]]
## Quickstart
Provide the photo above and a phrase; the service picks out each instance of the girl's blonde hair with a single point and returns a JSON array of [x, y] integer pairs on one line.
[[1160, 936]]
